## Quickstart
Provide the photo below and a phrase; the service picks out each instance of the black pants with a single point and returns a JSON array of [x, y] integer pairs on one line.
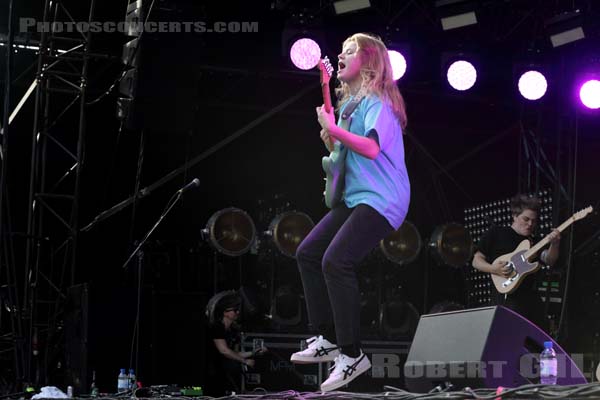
[[527, 303], [327, 259]]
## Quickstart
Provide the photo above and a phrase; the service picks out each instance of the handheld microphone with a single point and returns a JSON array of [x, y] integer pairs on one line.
[[193, 184]]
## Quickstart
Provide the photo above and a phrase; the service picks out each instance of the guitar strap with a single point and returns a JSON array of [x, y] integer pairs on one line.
[[351, 107]]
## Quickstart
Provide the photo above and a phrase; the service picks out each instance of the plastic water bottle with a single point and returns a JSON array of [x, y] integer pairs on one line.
[[122, 382], [548, 365], [93, 387], [132, 380]]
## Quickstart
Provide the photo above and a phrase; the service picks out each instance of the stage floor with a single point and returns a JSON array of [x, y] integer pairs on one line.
[[582, 391]]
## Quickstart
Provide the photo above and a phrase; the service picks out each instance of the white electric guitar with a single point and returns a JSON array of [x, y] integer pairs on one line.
[[519, 260]]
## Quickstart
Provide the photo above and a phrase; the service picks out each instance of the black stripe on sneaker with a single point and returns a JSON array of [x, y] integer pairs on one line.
[[323, 351], [350, 369]]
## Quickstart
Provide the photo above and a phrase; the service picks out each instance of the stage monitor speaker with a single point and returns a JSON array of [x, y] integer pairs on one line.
[[479, 348], [77, 337]]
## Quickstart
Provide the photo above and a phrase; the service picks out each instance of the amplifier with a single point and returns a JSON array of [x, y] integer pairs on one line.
[[273, 370]]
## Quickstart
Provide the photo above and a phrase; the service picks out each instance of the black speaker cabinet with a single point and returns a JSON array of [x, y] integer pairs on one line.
[[482, 347]]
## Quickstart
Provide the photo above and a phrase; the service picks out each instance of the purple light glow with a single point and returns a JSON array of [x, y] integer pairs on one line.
[[305, 53], [532, 85], [462, 75], [589, 94], [398, 64]]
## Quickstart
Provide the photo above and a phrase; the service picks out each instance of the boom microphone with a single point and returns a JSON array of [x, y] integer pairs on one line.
[[193, 184]]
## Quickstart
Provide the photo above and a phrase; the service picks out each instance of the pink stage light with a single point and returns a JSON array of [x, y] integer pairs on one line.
[[532, 85], [305, 53], [398, 64], [589, 94], [462, 75]]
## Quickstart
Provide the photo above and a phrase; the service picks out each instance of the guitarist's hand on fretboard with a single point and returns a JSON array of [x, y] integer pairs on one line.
[[554, 237], [326, 118], [550, 255], [327, 140]]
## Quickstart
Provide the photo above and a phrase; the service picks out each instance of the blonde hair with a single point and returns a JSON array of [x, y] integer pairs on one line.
[[376, 73]]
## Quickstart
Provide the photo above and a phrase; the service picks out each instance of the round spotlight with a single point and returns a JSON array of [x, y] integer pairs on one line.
[[462, 75], [288, 230], [399, 319], [398, 64], [532, 85], [403, 245], [452, 245], [589, 94], [230, 231], [286, 307], [305, 53]]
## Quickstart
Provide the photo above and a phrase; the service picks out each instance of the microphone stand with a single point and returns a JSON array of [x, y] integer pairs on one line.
[[135, 340], [174, 199]]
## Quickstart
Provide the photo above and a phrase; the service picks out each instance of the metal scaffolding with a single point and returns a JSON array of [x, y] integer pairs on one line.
[[37, 290]]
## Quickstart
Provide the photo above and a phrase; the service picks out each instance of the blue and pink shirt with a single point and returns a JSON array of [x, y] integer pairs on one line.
[[381, 183]]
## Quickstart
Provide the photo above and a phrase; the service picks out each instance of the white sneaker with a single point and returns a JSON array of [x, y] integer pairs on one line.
[[319, 350], [345, 370]]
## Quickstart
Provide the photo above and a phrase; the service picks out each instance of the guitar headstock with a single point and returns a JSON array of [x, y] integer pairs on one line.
[[582, 213], [326, 70]]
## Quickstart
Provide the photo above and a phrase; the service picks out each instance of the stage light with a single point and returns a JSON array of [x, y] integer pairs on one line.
[[399, 319], [288, 230], [251, 304], [398, 64], [565, 28], [589, 94], [230, 231], [305, 53], [569, 36], [346, 6], [403, 245], [461, 75], [456, 13], [532, 85], [286, 307], [452, 245]]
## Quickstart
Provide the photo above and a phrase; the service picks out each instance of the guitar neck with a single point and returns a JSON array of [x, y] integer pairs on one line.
[[535, 249], [326, 96], [327, 101]]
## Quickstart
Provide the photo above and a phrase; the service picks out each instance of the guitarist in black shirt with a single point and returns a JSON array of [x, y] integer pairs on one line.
[[500, 240]]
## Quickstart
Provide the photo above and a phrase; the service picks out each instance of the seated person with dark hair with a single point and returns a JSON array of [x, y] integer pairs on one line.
[[226, 362], [501, 240]]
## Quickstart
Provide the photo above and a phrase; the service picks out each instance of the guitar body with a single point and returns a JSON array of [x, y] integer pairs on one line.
[[335, 173], [521, 268], [518, 260]]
